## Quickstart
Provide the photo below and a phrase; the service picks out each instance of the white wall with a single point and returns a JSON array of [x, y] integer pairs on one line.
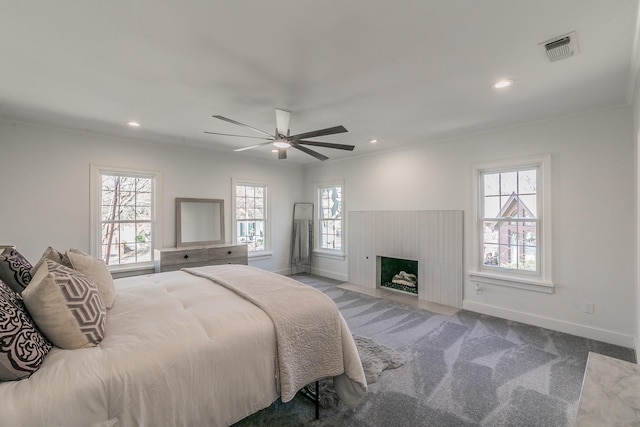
[[44, 186], [593, 213], [636, 145]]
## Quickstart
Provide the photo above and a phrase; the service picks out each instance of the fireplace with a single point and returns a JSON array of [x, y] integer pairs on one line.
[[398, 274], [433, 238]]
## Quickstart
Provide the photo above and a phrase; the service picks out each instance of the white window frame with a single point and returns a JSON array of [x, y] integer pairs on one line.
[[326, 252], [254, 255], [541, 280], [95, 222]]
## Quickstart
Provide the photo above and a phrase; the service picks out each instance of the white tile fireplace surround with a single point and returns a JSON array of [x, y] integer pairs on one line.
[[433, 238]]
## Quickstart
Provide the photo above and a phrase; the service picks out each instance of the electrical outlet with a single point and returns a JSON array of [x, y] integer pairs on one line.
[[478, 289], [589, 308]]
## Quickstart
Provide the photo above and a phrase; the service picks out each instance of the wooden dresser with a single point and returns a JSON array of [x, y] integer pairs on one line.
[[171, 259]]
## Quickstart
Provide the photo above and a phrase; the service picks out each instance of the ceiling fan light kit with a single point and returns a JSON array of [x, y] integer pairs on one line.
[[283, 140], [281, 144]]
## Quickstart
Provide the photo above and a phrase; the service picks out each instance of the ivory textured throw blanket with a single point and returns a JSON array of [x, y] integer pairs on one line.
[[313, 340]]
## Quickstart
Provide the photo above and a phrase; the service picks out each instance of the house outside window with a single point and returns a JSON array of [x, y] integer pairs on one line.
[[330, 218], [509, 201], [513, 224], [250, 209], [124, 204]]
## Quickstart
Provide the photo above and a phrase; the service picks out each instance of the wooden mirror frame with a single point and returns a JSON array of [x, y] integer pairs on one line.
[[214, 223]]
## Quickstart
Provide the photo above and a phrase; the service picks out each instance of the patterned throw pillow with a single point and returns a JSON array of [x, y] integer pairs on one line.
[[14, 269], [66, 306], [22, 346]]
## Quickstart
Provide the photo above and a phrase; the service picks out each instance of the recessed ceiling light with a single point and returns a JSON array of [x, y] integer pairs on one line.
[[501, 84], [133, 124], [373, 141]]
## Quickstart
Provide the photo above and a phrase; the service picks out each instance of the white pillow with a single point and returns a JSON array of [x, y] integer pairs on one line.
[[66, 306], [49, 253], [94, 268]]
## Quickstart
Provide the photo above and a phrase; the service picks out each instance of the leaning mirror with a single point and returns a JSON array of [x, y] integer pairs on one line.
[[199, 222]]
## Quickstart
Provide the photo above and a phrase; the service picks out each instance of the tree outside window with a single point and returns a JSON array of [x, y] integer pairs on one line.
[[330, 212], [126, 218]]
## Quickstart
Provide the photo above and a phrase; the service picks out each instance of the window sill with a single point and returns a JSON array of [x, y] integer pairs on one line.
[[257, 256], [512, 282], [130, 267], [126, 270], [324, 253]]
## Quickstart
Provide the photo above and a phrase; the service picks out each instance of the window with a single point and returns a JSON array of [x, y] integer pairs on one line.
[[124, 206], [251, 215], [509, 219], [330, 217], [513, 239]]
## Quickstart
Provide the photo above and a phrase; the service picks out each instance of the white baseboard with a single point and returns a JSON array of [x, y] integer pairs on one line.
[[319, 272], [330, 274], [598, 334], [283, 271]]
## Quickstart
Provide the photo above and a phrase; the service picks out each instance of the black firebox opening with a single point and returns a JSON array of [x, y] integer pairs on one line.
[[399, 274]]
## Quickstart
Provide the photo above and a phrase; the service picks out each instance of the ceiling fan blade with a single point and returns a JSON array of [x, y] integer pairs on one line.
[[239, 136], [310, 152], [321, 132], [252, 146], [282, 122], [282, 153], [243, 125], [328, 145]]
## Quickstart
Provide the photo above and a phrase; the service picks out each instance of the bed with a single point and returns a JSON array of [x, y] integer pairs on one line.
[[206, 346]]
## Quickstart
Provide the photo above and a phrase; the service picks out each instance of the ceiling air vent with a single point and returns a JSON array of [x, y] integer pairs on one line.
[[561, 47]]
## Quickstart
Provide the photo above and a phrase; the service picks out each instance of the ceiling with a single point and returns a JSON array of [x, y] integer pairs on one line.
[[402, 72]]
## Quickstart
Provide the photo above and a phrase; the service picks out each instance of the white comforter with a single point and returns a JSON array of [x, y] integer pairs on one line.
[[179, 350], [309, 330]]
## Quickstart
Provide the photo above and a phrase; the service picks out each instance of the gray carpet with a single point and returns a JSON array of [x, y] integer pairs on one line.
[[464, 370], [375, 358]]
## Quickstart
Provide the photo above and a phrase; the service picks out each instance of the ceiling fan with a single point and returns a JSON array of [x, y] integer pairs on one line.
[[282, 140]]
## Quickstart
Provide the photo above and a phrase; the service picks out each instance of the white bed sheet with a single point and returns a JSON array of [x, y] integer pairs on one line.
[[179, 350]]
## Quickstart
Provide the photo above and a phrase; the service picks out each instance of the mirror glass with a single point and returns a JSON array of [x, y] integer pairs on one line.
[[199, 222]]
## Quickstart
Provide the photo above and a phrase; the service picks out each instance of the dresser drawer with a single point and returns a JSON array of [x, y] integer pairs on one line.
[[176, 258], [174, 267], [239, 260], [228, 252], [186, 256]]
